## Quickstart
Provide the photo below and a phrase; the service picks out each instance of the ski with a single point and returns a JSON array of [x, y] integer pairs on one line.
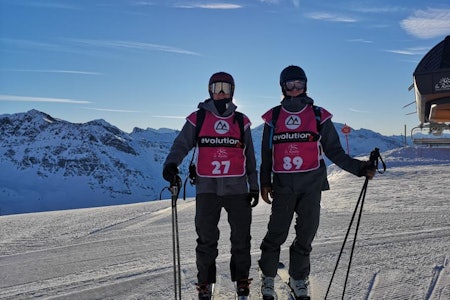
[[213, 291], [283, 273]]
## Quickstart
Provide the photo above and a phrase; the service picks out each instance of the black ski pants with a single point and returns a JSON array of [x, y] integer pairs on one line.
[[207, 216], [306, 206]]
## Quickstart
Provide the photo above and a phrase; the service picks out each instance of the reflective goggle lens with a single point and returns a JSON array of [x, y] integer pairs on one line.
[[220, 87], [294, 84]]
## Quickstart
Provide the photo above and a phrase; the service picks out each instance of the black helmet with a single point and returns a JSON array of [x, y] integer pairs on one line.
[[221, 77], [292, 73]]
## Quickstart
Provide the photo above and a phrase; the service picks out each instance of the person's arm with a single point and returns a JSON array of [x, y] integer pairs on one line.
[[332, 147], [265, 176], [252, 173], [182, 144]]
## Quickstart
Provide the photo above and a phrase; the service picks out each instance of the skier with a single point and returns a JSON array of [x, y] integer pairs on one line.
[[226, 177], [293, 173]]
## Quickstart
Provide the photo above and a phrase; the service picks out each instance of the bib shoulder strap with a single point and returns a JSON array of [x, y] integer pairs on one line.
[[200, 118], [318, 114], [275, 114], [239, 118]]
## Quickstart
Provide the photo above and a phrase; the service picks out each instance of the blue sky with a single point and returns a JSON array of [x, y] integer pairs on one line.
[[146, 63]]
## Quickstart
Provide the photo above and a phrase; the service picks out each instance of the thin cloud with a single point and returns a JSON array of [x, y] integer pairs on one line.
[[211, 6], [33, 45], [410, 51], [428, 23], [129, 45], [270, 1], [324, 16], [143, 3], [42, 46], [357, 110], [112, 110], [378, 9], [170, 117], [360, 41], [79, 43], [14, 98], [296, 3], [55, 71], [44, 4]]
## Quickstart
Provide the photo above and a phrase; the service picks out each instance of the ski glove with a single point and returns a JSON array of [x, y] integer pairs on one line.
[[170, 172], [367, 169], [253, 197], [267, 194]]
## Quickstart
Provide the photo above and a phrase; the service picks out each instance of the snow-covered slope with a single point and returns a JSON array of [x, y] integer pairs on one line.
[[53, 164], [125, 252]]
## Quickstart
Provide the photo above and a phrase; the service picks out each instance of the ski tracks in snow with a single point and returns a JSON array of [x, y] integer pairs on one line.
[[372, 284], [390, 284], [125, 252], [440, 274], [144, 219]]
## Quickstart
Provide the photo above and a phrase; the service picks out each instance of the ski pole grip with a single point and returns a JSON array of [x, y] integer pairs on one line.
[[374, 158], [175, 185]]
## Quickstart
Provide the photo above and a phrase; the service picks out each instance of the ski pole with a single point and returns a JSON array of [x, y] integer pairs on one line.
[[363, 197], [175, 190], [374, 157], [345, 238]]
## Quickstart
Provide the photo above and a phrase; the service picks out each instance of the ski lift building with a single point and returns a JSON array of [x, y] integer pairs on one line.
[[432, 92]]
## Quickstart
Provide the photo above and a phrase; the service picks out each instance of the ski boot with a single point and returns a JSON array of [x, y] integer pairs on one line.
[[299, 288], [243, 289], [268, 288], [205, 291]]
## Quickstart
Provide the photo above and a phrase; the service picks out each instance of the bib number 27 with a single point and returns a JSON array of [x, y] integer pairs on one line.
[[220, 167], [292, 162]]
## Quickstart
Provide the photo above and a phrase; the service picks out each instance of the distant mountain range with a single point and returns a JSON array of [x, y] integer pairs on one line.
[[51, 164]]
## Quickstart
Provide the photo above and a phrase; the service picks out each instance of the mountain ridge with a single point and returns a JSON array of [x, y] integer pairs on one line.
[[54, 164]]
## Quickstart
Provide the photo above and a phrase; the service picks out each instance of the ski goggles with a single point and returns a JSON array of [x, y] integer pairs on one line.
[[221, 87], [294, 85]]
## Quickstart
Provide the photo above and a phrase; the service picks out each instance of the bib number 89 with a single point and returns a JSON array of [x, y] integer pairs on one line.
[[294, 162]]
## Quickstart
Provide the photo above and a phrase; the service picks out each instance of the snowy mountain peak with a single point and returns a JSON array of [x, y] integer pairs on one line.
[[54, 164]]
